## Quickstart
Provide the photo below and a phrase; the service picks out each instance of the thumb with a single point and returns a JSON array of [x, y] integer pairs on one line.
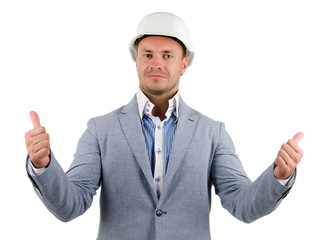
[[298, 137], [34, 119]]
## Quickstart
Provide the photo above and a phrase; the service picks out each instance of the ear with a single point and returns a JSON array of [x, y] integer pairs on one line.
[[184, 65]]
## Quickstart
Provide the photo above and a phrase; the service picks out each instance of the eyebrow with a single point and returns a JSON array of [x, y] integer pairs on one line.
[[164, 51]]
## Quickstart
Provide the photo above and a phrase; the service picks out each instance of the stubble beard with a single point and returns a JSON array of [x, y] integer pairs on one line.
[[160, 92]]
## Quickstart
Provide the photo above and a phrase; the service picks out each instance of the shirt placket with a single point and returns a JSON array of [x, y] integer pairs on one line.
[[159, 168], [159, 165]]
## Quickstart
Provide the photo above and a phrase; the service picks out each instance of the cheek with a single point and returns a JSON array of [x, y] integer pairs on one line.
[[178, 69], [139, 67]]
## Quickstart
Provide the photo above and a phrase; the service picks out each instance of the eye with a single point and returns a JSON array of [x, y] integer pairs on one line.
[[147, 55], [168, 56]]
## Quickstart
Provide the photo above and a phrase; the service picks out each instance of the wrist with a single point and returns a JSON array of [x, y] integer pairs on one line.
[[42, 164]]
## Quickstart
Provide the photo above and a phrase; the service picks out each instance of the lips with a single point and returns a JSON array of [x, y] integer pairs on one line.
[[156, 76]]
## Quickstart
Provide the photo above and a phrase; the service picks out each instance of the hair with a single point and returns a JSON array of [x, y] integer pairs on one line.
[[136, 43]]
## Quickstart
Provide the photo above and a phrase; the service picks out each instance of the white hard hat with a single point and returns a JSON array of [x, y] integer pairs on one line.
[[163, 24]]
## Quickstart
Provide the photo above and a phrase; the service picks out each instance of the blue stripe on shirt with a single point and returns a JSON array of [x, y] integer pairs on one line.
[[169, 132], [148, 129]]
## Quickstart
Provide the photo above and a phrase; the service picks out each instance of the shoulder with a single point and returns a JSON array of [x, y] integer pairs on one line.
[[106, 118], [204, 124], [114, 115], [208, 125], [202, 118], [210, 129], [110, 121]]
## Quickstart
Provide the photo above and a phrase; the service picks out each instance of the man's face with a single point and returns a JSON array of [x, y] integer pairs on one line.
[[160, 62]]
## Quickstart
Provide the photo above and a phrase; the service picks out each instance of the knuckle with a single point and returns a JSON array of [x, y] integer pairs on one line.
[[30, 150], [284, 165], [46, 143], [39, 155], [281, 152], [48, 152], [286, 145], [27, 141], [28, 138], [29, 133], [32, 156], [33, 132], [33, 149], [279, 161], [42, 129]]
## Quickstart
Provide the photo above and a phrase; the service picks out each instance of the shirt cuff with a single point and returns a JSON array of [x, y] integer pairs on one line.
[[34, 171], [289, 181]]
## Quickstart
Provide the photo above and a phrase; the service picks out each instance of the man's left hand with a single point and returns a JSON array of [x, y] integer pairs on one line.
[[289, 155]]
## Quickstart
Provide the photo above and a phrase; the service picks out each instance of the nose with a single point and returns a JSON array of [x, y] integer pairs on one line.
[[156, 63]]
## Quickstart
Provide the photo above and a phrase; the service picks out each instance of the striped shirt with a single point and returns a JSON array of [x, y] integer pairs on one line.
[[158, 136]]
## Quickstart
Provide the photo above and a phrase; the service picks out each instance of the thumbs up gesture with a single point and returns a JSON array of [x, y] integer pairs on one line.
[[289, 155], [37, 143]]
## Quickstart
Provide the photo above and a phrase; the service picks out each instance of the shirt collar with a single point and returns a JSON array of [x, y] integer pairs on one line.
[[145, 106]]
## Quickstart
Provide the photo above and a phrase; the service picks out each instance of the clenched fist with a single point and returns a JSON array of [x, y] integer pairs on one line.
[[37, 143], [288, 157]]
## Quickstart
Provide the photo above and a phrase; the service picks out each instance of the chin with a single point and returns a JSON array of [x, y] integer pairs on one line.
[[156, 91]]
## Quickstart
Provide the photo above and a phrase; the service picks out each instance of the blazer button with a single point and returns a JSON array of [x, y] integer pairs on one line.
[[159, 213]]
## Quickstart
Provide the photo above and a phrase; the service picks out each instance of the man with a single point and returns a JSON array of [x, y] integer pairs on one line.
[[156, 159]]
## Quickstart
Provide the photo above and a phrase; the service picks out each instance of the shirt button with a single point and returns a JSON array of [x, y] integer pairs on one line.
[[159, 213], [159, 151], [157, 179], [158, 126]]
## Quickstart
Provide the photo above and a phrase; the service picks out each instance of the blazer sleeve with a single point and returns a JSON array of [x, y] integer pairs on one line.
[[68, 195], [244, 199]]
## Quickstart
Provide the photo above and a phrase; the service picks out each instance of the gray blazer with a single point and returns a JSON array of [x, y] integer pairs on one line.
[[112, 154]]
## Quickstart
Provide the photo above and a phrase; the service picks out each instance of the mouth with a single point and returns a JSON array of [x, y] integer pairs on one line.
[[156, 76]]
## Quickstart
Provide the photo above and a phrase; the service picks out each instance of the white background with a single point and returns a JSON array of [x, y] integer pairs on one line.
[[258, 68]]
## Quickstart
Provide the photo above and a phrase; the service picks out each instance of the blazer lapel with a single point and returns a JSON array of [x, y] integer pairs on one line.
[[184, 133], [131, 125]]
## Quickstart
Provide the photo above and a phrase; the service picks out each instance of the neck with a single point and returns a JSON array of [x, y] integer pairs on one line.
[[160, 102], [160, 108]]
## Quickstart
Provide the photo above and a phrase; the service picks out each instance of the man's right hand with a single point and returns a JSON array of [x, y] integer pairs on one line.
[[37, 143]]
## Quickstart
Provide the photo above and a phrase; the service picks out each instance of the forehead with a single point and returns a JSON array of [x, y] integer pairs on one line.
[[159, 43]]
